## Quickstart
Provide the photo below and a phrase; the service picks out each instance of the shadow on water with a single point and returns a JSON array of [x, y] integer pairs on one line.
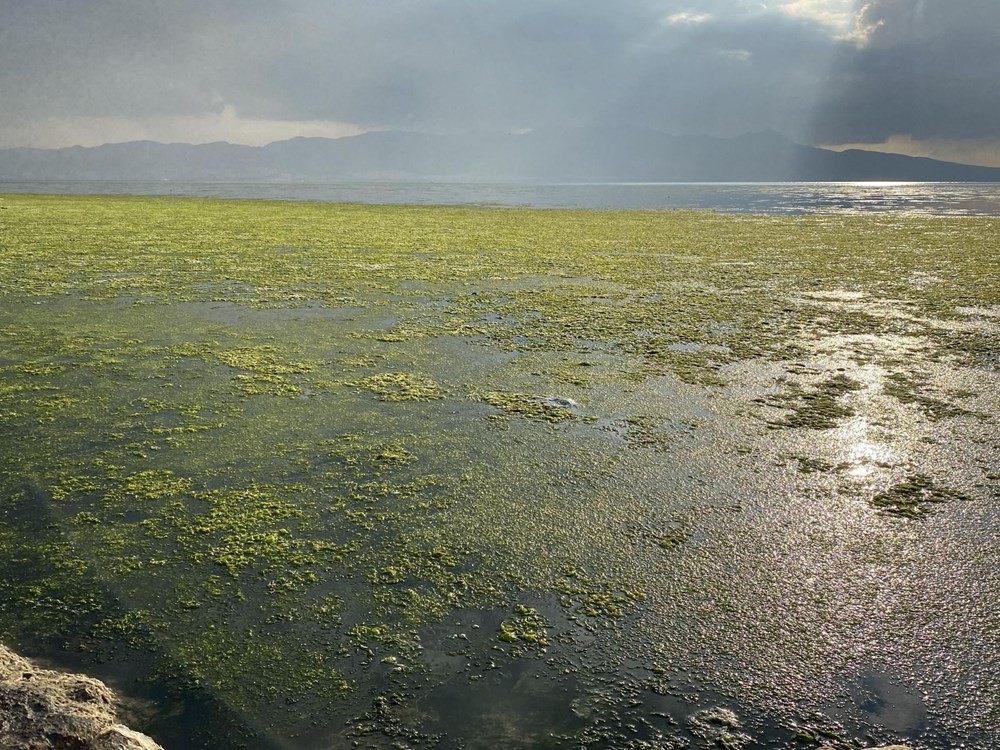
[[474, 694], [884, 702], [159, 697], [511, 707]]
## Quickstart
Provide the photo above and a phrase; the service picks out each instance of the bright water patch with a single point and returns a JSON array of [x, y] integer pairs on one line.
[[933, 198]]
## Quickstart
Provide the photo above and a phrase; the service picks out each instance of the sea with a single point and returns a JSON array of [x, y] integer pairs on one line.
[[780, 593], [779, 198]]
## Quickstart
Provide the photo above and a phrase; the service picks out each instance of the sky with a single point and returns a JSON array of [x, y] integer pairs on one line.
[[912, 76]]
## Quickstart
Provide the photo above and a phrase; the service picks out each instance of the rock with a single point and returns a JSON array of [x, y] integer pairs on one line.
[[891, 747], [120, 737], [41, 709], [560, 402]]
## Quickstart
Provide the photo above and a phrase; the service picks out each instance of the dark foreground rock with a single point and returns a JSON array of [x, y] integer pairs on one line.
[[41, 709]]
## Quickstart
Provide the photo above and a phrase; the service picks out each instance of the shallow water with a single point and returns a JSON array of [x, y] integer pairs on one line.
[[291, 493], [942, 198]]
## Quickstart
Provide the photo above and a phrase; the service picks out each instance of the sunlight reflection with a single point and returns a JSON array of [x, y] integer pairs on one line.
[[862, 454], [884, 184]]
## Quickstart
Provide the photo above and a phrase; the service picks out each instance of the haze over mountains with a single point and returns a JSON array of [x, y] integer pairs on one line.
[[597, 154]]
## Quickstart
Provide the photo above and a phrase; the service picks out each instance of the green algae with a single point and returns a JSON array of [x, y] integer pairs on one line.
[[673, 538], [226, 492], [813, 465], [581, 595], [526, 629], [644, 430], [915, 497], [358, 450], [400, 386], [718, 309], [908, 390], [819, 407], [526, 405], [267, 373]]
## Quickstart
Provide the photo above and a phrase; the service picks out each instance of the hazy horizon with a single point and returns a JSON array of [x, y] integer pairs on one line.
[[944, 152]]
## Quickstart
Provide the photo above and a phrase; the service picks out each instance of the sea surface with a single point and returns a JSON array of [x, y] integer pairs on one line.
[[945, 198]]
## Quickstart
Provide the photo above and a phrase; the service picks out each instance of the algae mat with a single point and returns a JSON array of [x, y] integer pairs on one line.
[[319, 476]]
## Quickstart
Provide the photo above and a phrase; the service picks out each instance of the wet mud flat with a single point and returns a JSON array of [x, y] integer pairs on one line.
[[322, 476]]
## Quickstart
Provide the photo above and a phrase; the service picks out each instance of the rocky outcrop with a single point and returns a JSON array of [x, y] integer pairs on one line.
[[41, 709]]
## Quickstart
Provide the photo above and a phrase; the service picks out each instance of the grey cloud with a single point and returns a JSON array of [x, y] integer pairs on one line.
[[117, 57], [930, 68], [455, 65], [695, 85]]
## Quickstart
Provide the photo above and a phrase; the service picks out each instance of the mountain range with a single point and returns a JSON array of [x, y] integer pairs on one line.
[[592, 154]]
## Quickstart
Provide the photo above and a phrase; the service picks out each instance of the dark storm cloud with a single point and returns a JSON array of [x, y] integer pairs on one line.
[[452, 65], [729, 76], [929, 67]]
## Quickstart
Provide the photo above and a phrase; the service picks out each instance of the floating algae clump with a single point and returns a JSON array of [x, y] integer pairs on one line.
[[526, 629], [908, 390], [914, 497], [816, 408], [401, 386], [718, 726], [266, 371], [354, 450], [539, 408], [579, 594]]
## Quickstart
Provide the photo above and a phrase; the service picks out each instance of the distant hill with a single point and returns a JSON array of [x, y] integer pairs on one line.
[[600, 154]]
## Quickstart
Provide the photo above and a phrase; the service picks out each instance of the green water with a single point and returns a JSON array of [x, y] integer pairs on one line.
[[309, 475]]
